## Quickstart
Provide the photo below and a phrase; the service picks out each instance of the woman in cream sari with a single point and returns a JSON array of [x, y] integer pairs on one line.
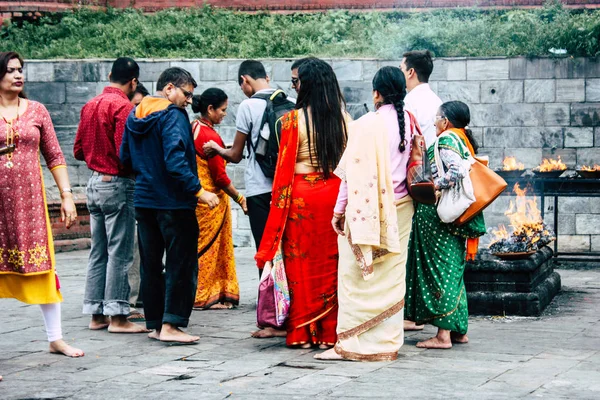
[[373, 218]]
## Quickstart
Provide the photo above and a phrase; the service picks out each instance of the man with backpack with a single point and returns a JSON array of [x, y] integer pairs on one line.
[[258, 129]]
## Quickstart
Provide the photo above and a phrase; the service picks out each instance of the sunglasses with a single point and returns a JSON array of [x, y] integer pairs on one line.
[[295, 81], [188, 95]]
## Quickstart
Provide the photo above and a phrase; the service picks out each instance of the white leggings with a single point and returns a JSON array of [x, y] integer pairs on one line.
[[51, 314]]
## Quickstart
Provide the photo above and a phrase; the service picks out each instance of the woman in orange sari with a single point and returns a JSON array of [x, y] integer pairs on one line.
[[304, 195], [217, 281]]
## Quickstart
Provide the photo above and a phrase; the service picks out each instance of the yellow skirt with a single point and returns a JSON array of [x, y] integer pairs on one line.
[[30, 289]]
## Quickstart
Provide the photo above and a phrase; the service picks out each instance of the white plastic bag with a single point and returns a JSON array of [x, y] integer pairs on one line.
[[455, 200]]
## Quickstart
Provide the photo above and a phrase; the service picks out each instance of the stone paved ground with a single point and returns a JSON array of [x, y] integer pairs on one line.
[[556, 356]]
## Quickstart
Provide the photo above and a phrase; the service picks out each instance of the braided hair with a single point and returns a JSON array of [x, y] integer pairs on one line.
[[391, 85]]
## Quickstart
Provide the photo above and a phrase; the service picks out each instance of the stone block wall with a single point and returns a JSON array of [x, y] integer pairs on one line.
[[527, 108]]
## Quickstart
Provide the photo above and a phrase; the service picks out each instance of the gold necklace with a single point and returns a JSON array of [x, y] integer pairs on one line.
[[12, 135]]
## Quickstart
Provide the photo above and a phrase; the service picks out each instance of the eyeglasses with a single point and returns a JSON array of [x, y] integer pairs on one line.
[[295, 82], [439, 118], [188, 95]]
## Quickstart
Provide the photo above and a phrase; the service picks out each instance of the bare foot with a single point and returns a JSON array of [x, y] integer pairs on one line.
[[61, 347], [305, 346], [219, 306], [435, 343], [154, 335], [170, 333], [412, 326], [99, 322], [328, 355], [269, 333], [325, 346], [458, 338], [120, 324]]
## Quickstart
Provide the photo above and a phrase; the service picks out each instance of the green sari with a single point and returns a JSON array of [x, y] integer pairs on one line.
[[435, 288]]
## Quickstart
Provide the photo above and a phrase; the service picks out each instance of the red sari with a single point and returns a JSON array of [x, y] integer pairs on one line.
[[300, 215]]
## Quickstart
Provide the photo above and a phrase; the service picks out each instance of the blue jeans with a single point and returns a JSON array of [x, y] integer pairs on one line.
[[112, 222]]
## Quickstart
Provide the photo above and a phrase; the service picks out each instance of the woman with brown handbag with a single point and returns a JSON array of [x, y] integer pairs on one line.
[[437, 251]]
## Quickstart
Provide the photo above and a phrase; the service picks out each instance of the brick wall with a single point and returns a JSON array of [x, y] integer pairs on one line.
[[528, 108]]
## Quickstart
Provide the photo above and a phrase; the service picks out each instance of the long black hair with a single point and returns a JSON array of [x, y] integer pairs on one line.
[[459, 115], [320, 94], [5, 58], [210, 97], [391, 85]]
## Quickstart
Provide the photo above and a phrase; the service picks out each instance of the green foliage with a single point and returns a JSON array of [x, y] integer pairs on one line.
[[215, 33]]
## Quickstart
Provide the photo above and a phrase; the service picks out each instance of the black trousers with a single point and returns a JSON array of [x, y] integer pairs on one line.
[[168, 298], [258, 212]]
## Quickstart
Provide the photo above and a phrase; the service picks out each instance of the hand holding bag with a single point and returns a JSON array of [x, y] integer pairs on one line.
[[273, 303], [419, 179], [458, 198]]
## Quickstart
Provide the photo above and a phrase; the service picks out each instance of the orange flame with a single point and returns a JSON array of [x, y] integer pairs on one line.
[[551, 165], [591, 169], [524, 215], [511, 164]]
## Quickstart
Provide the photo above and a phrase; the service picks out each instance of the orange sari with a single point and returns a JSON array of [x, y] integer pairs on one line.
[[217, 279], [300, 216]]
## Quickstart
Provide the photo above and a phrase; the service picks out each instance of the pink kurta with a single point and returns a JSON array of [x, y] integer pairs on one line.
[[26, 247], [398, 160]]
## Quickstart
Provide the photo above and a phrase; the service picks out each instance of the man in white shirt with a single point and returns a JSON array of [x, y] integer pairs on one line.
[[420, 100], [423, 103]]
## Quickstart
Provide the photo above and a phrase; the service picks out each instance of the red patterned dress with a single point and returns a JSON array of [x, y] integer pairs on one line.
[[26, 248], [300, 217]]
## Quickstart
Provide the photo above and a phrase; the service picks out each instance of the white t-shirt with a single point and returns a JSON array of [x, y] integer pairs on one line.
[[424, 104], [247, 121]]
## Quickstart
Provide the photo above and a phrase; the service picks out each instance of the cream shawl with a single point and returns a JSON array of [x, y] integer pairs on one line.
[[371, 213]]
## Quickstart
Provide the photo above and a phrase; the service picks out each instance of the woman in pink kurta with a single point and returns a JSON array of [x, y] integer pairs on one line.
[[26, 249], [373, 217]]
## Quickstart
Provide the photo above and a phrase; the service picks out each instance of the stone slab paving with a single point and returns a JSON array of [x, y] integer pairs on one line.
[[556, 356]]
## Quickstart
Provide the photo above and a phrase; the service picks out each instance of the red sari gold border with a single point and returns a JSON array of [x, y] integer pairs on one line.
[[318, 317], [362, 328]]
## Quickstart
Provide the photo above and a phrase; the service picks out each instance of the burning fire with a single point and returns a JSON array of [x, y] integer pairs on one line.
[[529, 232], [511, 164], [591, 169], [551, 165]]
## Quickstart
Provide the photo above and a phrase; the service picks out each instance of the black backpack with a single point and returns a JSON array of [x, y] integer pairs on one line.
[[266, 148]]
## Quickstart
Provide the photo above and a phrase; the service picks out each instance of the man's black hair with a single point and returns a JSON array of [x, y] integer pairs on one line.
[[124, 70], [141, 89], [254, 69], [175, 75], [421, 61], [299, 62]]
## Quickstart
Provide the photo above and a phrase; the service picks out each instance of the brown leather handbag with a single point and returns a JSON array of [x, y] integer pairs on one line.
[[487, 185], [419, 179]]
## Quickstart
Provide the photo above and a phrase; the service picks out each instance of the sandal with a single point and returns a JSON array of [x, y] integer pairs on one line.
[[136, 317]]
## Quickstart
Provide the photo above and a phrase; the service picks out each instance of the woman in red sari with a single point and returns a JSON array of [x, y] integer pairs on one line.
[[217, 281], [304, 194]]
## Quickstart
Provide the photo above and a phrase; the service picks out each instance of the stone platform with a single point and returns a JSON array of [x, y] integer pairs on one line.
[[511, 287], [555, 356]]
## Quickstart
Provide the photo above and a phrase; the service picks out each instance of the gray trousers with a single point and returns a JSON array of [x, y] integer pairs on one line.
[[112, 222], [135, 278]]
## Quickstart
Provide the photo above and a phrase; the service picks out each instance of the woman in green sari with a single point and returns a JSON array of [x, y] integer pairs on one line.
[[435, 289]]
